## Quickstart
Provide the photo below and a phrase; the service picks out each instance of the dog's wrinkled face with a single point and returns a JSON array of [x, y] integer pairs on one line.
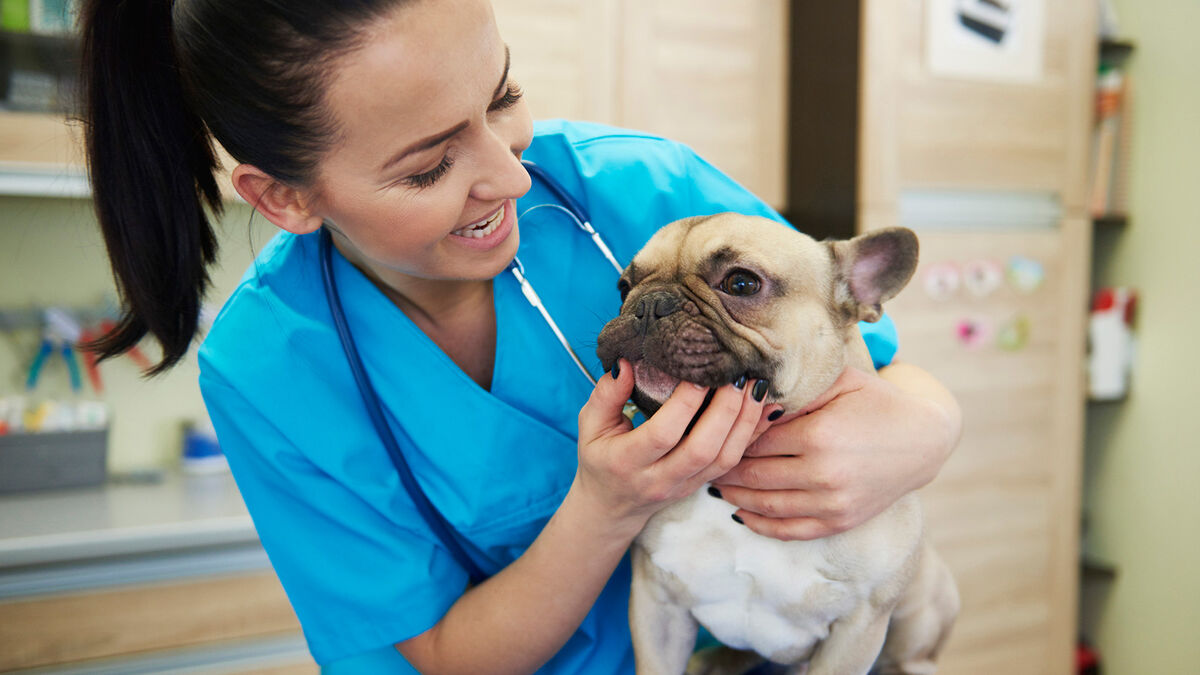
[[709, 299]]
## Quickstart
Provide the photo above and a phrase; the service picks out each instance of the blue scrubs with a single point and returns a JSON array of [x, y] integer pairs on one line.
[[358, 564]]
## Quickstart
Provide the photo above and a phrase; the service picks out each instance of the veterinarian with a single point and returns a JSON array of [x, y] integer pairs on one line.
[[397, 129]]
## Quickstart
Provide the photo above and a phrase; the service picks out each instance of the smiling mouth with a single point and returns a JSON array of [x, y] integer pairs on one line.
[[484, 227]]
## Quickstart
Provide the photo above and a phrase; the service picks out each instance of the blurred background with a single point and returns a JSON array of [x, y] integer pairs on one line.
[[1045, 152]]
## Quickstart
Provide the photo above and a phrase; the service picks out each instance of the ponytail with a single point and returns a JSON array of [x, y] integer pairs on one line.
[[163, 79], [151, 163]]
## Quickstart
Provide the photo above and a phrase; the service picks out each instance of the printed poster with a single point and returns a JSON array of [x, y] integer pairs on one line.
[[995, 40]]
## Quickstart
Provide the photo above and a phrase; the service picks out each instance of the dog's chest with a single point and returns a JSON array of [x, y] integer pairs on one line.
[[752, 592]]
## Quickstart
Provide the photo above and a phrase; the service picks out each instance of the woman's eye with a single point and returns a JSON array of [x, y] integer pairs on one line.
[[741, 283], [623, 288], [424, 180], [509, 99]]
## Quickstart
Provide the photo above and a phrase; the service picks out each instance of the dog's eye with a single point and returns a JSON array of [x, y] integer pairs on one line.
[[741, 283], [623, 287]]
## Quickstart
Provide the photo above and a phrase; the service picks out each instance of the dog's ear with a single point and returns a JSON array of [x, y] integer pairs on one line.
[[872, 268]]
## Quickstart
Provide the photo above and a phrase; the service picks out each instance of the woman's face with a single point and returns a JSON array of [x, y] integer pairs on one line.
[[423, 178]]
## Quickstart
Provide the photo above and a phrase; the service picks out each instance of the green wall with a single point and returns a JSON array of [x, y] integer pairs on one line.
[[51, 253], [1143, 454]]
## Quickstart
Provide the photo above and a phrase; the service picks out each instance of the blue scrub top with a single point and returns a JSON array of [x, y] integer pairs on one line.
[[357, 562]]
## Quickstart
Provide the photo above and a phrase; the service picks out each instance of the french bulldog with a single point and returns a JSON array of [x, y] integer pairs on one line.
[[707, 300]]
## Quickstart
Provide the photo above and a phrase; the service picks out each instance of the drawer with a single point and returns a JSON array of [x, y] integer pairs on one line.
[[63, 628]]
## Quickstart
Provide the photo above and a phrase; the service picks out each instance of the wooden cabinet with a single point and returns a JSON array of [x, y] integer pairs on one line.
[[709, 73], [991, 175], [165, 621]]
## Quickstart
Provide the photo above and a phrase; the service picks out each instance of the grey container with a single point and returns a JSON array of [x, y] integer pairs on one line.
[[52, 460]]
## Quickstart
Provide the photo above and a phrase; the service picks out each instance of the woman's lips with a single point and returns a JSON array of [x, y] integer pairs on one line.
[[484, 227], [489, 232]]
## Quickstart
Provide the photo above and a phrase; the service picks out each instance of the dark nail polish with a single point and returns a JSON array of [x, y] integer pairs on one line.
[[740, 382], [775, 415], [616, 371], [714, 492], [738, 519], [760, 390]]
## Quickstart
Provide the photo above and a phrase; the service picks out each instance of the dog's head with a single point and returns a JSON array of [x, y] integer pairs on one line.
[[711, 298]]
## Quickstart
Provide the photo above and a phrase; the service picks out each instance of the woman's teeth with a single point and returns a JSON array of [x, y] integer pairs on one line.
[[483, 229]]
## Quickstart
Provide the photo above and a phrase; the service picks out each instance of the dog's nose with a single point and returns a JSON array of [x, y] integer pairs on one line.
[[656, 305]]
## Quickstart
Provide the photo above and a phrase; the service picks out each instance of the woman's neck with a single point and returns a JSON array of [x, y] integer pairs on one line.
[[458, 316]]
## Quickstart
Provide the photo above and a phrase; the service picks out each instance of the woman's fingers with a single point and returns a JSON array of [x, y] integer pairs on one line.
[[773, 473], [603, 411], [792, 514], [736, 441], [665, 428], [789, 529], [719, 438], [779, 503]]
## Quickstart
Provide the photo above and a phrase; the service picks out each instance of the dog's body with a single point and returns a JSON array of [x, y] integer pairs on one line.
[[713, 298]]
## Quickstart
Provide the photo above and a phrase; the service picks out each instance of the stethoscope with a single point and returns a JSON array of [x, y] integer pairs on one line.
[[437, 523]]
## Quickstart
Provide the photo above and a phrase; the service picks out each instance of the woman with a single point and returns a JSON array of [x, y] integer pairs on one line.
[[395, 126]]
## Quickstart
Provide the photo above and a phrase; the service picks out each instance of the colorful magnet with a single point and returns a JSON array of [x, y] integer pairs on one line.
[[974, 333], [982, 277], [1025, 274], [941, 280], [1014, 335]]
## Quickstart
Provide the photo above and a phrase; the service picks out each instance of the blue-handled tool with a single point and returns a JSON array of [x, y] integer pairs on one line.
[[57, 337]]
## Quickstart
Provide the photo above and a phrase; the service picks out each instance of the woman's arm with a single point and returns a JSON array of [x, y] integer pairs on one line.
[[869, 441], [625, 475]]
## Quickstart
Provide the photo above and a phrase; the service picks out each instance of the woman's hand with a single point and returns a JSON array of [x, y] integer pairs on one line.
[[864, 444], [632, 473]]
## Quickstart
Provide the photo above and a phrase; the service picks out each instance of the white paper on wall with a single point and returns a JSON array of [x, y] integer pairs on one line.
[[1000, 40]]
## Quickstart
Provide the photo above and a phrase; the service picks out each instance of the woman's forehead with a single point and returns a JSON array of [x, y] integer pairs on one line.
[[420, 70]]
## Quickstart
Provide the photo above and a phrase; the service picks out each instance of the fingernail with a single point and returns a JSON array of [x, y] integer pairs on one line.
[[760, 390], [737, 519], [775, 415], [616, 369], [740, 382], [714, 492]]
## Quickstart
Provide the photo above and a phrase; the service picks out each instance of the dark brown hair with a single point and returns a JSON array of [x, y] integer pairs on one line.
[[161, 79]]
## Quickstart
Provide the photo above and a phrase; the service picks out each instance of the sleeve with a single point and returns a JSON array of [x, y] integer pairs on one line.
[[358, 579]]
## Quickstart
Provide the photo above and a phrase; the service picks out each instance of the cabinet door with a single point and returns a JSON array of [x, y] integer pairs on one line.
[[563, 55], [979, 134], [712, 74], [1004, 512]]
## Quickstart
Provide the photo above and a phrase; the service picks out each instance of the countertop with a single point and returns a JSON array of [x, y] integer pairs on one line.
[[175, 513]]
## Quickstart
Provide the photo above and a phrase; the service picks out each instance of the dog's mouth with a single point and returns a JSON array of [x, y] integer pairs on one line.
[[673, 347], [652, 382]]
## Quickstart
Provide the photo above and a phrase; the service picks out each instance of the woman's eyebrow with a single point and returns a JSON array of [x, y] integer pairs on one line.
[[442, 137]]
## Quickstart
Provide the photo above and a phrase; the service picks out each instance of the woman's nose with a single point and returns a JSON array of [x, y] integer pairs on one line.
[[501, 175]]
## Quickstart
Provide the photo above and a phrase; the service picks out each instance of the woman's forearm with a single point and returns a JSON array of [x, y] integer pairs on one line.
[[515, 621], [944, 413]]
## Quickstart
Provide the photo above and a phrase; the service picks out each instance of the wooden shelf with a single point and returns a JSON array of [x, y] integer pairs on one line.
[[40, 156], [1111, 220], [1115, 50]]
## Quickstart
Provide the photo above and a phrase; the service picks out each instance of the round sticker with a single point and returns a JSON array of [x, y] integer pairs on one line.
[[1025, 274], [1014, 335], [982, 277], [973, 333], [941, 280]]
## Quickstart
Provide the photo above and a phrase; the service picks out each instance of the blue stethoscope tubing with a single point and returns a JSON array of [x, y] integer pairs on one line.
[[429, 513], [392, 441]]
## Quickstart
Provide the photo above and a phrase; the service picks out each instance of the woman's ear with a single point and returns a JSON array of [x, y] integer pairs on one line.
[[281, 204]]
